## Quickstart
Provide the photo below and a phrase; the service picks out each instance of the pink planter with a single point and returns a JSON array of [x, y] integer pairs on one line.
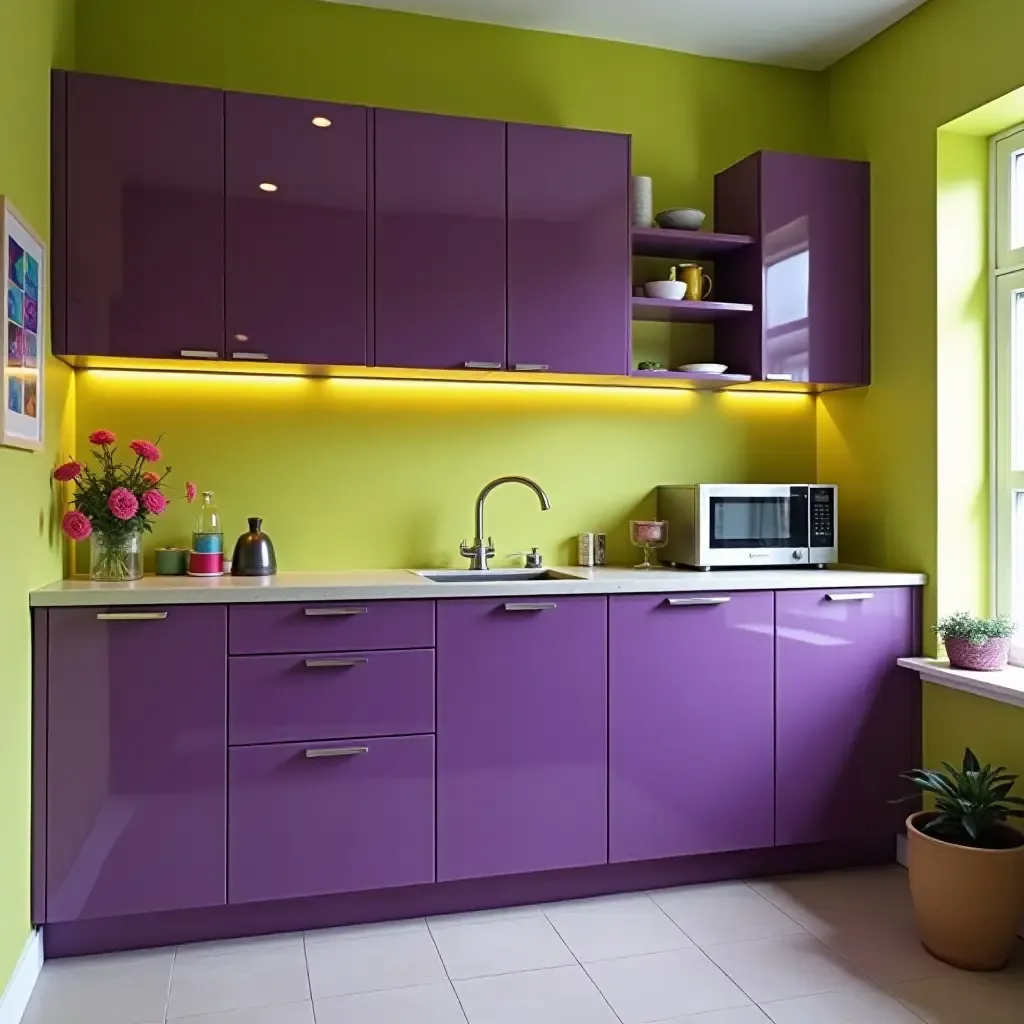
[[989, 657]]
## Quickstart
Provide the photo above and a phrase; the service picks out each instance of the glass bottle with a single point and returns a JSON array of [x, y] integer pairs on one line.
[[208, 537]]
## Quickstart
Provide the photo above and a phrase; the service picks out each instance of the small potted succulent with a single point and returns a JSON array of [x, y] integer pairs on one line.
[[982, 645], [967, 864]]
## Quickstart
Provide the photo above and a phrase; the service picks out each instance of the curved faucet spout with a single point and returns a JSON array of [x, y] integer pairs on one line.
[[482, 550]]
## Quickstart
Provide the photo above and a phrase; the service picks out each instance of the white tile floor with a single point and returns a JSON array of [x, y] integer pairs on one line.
[[835, 948]]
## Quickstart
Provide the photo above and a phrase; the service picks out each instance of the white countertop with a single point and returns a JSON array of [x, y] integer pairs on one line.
[[393, 584]]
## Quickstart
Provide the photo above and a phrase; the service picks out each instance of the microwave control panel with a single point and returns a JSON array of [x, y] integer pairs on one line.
[[823, 517]]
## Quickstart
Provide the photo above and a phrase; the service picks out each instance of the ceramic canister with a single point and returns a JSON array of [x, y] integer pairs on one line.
[[202, 563], [642, 196]]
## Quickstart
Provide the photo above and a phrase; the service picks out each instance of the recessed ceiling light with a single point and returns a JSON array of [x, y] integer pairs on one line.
[[322, 122], [268, 186]]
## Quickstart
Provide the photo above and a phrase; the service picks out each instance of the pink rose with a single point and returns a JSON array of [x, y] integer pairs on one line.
[[76, 525], [154, 501], [190, 491], [102, 437], [69, 471], [123, 503], [145, 450], [151, 478]]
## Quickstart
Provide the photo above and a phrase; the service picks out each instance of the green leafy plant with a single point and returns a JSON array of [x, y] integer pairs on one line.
[[971, 805], [963, 626]]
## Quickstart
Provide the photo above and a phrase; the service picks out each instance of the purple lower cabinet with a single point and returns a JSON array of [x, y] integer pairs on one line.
[[845, 714], [521, 735], [310, 819], [691, 706], [135, 775]]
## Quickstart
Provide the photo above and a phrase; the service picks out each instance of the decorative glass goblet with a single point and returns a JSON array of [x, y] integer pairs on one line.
[[649, 534]]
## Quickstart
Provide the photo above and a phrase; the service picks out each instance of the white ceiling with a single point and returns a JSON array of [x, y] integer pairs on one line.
[[808, 34]]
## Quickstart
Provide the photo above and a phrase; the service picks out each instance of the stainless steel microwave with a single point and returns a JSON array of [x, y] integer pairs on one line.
[[729, 526]]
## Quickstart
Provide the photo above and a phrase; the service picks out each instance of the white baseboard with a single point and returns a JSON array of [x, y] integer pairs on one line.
[[19, 989]]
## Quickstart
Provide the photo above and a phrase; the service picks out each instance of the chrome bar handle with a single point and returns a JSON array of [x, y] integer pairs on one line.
[[199, 353], [470, 365], [336, 751], [335, 662], [778, 376], [249, 355], [849, 597], [539, 607], [530, 366], [131, 616], [320, 612], [684, 602]]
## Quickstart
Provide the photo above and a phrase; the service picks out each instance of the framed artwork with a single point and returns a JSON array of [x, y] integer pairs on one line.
[[22, 354]]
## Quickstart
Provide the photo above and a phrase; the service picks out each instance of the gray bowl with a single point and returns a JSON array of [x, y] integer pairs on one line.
[[681, 219]]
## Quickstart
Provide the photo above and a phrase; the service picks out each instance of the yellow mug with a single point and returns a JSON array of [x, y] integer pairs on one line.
[[698, 284]]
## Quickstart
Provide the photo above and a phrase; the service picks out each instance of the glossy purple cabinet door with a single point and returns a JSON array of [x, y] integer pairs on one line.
[[521, 735], [439, 241], [144, 218], [691, 706], [568, 250], [808, 276], [136, 745], [308, 819], [845, 714], [296, 257]]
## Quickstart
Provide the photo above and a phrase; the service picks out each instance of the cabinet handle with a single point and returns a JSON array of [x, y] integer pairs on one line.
[[481, 366], [685, 602], [319, 612], [530, 366], [849, 597], [336, 751], [335, 662], [249, 355], [778, 376], [541, 607], [131, 616], [199, 353]]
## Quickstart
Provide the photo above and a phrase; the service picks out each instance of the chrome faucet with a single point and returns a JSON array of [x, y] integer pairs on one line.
[[480, 553]]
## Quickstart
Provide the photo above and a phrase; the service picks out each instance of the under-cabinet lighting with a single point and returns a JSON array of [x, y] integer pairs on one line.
[[268, 186], [322, 122]]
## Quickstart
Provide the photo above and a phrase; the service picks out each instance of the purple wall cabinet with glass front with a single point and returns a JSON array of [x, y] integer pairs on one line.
[[296, 256], [521, 735], [807, 275], [846, 716], [135, 745], [568, 250], [691, 717], [140, 186]]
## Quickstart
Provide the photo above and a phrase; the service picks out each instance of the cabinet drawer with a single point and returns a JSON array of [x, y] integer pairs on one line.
[[313, 819], [334, 626], [274, 698]]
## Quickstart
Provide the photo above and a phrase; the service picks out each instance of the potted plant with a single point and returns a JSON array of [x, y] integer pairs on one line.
[[967, 864], [979, 644]]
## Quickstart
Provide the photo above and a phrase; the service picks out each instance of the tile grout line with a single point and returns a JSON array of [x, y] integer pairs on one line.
[[444, 967], [309, 981], [170, 982]]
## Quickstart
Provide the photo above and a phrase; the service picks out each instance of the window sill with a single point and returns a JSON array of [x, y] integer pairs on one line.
[[1005, 686]]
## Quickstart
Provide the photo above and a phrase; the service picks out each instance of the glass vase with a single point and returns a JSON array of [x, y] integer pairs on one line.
[[115, 559]]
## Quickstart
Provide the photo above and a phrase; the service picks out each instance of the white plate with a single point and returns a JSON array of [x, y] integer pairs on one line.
[[703, 368]]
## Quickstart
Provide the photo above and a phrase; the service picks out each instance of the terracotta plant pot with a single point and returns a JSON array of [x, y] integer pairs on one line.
[[969, 902], [991, 656]]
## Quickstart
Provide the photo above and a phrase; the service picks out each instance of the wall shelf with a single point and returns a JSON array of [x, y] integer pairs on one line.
[[696, 381], [687, 310], [685, 244]]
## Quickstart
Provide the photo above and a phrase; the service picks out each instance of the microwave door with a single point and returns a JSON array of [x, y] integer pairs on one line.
[[759, 528]]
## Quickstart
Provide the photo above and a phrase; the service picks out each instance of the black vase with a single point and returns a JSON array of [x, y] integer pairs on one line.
[[254, 553]]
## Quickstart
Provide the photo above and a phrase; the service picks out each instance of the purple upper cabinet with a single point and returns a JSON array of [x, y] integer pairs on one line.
[[691, 706], [136, 750], [845, 714], [296, 256], [521, 735], [144, 219], [568, 250], [808, 276], [439, 241]]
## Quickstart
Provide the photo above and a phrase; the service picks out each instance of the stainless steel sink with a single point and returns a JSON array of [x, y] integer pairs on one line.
[[494, 575]]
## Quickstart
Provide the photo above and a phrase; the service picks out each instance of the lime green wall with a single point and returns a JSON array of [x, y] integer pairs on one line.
[[33, 37], [913, 444]]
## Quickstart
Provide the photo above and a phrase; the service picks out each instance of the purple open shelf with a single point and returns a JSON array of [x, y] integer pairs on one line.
[[693, 244], [687, 310], [697, 381]]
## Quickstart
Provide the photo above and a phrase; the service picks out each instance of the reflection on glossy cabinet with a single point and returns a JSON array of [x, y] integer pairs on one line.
[[845, 714], [521, 735], [142, 188], [136, 737], [296, 211], [439, 241], [691, 708], [568, 250]]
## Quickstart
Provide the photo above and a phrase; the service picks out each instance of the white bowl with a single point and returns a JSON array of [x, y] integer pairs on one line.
[[665, 289], [703, 368], [683, 218]]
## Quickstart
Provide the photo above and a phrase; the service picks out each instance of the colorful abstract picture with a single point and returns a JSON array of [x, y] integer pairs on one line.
[[22, 361]]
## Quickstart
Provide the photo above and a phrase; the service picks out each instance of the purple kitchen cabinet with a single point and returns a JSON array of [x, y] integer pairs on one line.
[[568, 250], [691, 707], [296, 256], [808, 274], [845, 714], [143, 223], [136, 749], [309, 819], [521, 735], [439, 241]]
